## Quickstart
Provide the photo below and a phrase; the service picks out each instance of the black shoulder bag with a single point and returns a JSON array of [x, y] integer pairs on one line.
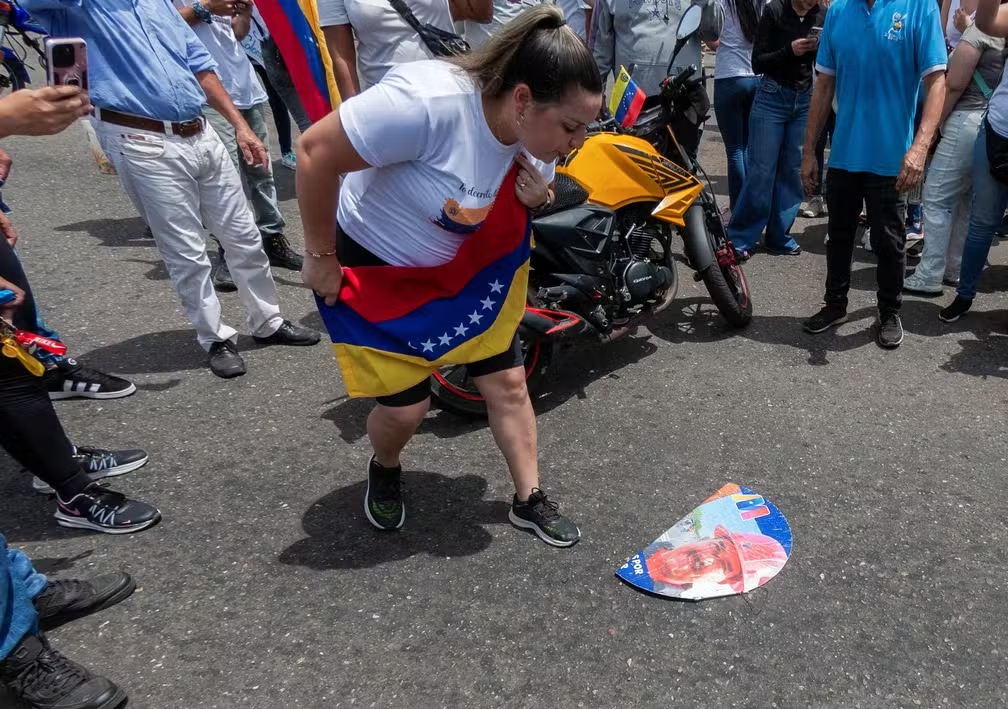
[[439, 42]]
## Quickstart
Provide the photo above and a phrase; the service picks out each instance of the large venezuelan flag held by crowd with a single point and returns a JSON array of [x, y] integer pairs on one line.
[[294, 26], [395, 325]]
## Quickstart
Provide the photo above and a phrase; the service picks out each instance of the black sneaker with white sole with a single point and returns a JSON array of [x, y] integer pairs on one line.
[[69, 599], [98, 463], [40, 677], [890, 331], [541, 515], [830, 316], [956, 309], [383, 502], [102, 510], [70, 379]]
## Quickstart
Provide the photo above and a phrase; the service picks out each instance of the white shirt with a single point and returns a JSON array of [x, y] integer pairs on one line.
[[477, 33], [384, 40], [233, 66], [256, 36], [734, 53], [436, 165]]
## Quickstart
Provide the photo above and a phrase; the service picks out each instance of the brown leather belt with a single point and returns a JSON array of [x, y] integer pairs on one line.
[[183, 129]]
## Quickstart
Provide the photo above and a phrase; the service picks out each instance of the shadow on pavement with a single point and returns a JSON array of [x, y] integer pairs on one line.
[[152, 353], [28, 516], [113, 232], [445, 517]]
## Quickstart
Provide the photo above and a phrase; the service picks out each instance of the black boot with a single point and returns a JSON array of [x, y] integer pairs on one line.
[[280, 253], [221, 274], [43, 679]]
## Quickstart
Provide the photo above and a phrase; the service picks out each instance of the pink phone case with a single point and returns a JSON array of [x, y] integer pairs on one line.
[[74, 74]]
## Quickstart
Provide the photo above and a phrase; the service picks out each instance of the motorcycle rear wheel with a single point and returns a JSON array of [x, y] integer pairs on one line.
[[454, 390]]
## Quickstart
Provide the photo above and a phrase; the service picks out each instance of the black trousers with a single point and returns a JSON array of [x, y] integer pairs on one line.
[[846, 192], [30, 431]]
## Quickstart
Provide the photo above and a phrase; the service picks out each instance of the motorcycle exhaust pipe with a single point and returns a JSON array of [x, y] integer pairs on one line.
[[544, 324]]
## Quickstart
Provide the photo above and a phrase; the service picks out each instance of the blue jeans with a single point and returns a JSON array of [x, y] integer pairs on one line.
[[19, 584], [990, 198], [773, 190], [733, 99]]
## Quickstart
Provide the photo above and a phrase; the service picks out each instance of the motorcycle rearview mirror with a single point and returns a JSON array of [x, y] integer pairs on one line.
[[688, 26]]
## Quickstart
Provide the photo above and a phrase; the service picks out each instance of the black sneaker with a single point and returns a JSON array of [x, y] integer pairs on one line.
[[103, 510], [221, 275], [542, 516], [383, 503], [290, 334], [70, 599], [956, 309], [71, 379], [830, 316], [42, 678], [280, 253], [225, 361], [98, 463], [890, 331]]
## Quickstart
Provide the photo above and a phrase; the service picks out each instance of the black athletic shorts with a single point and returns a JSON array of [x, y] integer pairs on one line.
[[350, 253]]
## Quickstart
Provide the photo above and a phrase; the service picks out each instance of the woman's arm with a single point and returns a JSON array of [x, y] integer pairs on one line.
[[767, 54], [475, 10], [962, 63], [992, 18], [343, 52]]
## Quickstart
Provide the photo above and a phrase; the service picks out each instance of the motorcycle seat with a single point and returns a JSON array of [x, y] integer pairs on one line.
[[566, 193]]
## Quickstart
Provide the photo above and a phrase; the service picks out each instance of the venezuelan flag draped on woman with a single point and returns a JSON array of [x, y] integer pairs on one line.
[[294, 26]]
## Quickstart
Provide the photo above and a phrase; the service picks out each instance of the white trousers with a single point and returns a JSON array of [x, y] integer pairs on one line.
[[179, 185]]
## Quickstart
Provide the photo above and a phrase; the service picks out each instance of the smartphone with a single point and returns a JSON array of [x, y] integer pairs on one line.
[[815, 33], [66, 62]]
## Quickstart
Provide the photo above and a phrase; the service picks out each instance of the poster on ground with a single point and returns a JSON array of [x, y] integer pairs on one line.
[[735, 541]]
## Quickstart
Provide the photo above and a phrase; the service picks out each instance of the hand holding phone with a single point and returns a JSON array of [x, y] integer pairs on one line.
[[66, 62], [815, 33]]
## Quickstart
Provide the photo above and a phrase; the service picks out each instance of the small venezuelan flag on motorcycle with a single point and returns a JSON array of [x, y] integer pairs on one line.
[[626, 100]]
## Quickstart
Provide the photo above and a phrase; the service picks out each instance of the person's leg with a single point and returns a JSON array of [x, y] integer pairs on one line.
[[960, 228], [886, 211], [18, 617], [990, 198], [816, 206], [280, 77], [732, 104], [788, 190], [163, 175], [948, 179], [766, 125], [845, 195], [281, 118], [501, 381]]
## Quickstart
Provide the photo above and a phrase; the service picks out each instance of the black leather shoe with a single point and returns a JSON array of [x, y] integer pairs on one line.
[[221, 275], [42, 678], [66, 600], [280, 253], [225, 361], [290, 334]]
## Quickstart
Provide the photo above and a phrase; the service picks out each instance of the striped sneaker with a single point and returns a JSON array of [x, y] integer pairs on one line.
[[71, 379], [98, 464], [103, 510]]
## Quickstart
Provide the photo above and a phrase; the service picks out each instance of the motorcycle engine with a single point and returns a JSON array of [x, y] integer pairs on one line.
[[643, 281]]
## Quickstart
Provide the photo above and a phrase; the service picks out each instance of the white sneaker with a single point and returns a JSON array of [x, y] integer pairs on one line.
[[289, 160], [815, 208]]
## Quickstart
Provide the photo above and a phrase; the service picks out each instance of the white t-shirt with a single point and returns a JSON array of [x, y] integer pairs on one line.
[[734, 53], [256, 36], [233, 66], [477, 33], [997, 108], [436, 165], [384, 40]]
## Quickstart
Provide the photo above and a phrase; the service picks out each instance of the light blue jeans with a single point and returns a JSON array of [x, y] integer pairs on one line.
[[733, 100], [19, 584], [772, 192], [947, 195], [990, 198]]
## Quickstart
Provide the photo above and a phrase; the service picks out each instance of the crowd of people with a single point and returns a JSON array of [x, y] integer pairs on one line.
[[417, 131]]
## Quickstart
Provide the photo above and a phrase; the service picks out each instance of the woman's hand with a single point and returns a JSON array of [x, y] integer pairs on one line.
[[803, 46], [324, 276], [531, 187]]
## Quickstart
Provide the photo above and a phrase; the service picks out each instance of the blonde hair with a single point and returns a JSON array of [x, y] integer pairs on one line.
[[537, 48]]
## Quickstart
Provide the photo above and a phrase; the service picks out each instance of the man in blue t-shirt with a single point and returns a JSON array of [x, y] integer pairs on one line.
[[874, 55]]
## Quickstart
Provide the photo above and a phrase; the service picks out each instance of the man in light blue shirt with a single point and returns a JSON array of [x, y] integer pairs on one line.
[[874, 55], [149, 77]]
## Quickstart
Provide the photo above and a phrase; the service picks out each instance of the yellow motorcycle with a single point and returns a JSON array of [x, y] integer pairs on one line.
[[603, 254]]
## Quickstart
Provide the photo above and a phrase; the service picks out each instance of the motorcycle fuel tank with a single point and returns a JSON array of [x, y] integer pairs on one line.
[[617, 170]]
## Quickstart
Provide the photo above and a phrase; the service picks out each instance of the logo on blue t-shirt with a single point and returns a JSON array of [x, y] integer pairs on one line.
[[895, 32]]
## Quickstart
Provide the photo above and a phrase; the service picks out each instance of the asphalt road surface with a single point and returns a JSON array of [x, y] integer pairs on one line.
[[265, 587]]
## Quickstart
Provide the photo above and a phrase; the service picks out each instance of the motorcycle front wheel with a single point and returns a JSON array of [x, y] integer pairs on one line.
[[724, 278], [454, 390]]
